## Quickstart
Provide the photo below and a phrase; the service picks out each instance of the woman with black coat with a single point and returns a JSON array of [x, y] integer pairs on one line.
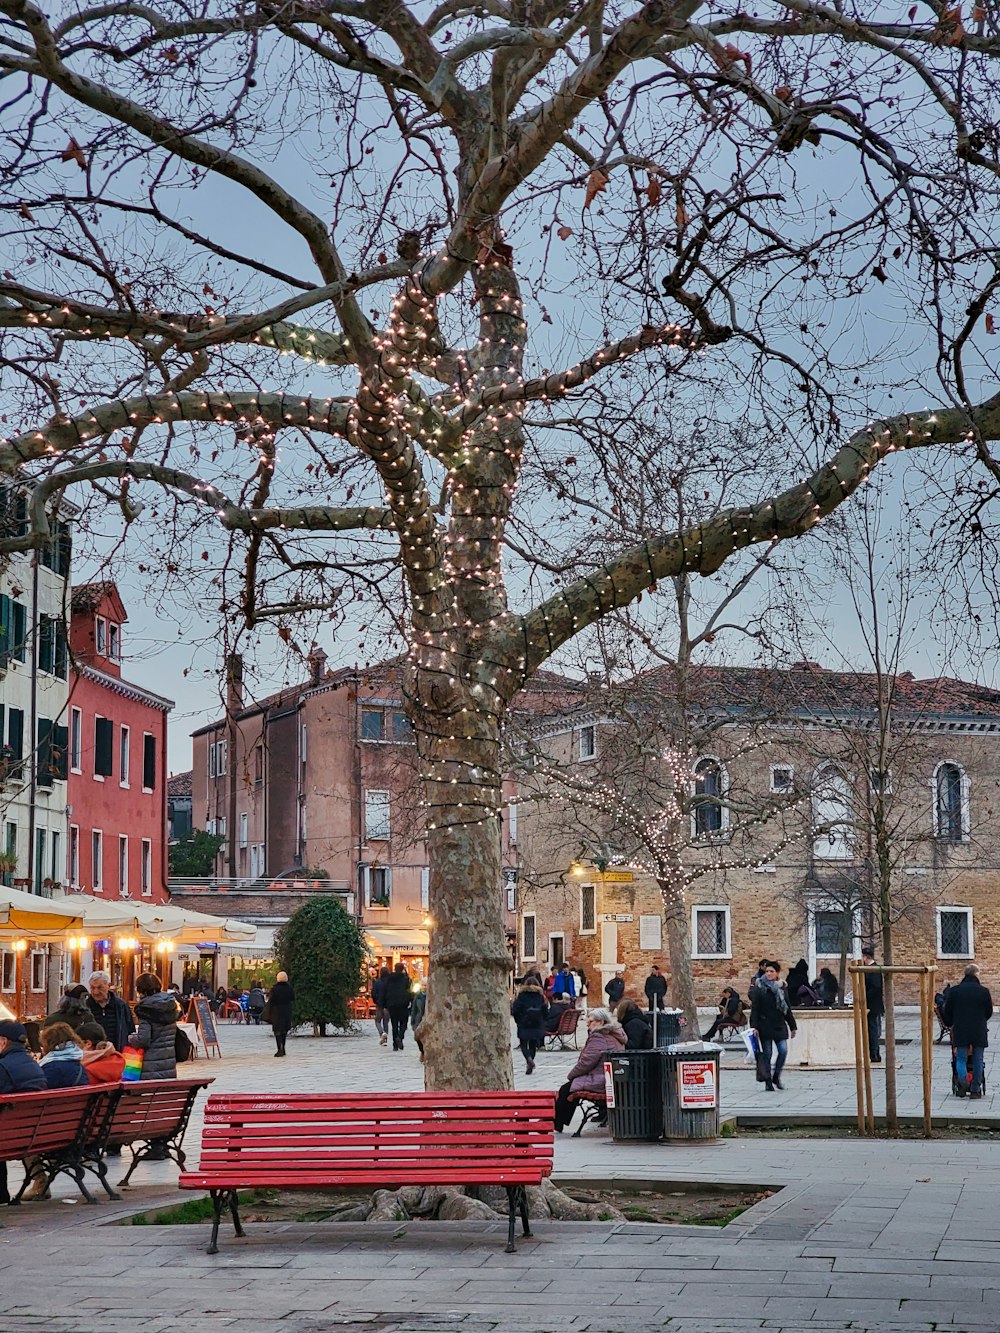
[[156, 1030], [398, 990], [773, 1021], [638, 1033], [278, 1011], [528, 1012]]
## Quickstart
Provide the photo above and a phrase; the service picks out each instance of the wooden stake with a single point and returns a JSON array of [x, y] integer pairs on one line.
[[927, 1035], [858, 1043]]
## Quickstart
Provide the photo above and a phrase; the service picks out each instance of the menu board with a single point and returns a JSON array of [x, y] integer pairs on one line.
[[200, 1013]]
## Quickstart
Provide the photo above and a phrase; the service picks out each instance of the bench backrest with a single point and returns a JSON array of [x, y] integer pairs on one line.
[[156, 1109], [40, 1122], [347, 1134], [568, 1023]]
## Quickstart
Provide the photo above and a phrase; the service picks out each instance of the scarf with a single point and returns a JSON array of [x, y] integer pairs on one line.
[[68, 1052], [776, 990]]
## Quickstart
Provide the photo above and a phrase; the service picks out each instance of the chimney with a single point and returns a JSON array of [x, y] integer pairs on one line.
[[317, 665], [234, 683]]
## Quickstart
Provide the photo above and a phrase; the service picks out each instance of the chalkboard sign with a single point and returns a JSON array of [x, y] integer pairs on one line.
[[201, 1015]]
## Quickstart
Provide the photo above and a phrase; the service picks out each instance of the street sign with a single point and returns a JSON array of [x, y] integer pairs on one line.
[[617, 916], [618, 876]]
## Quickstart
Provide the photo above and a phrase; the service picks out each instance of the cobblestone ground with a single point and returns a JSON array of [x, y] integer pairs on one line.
[[863, 1235]]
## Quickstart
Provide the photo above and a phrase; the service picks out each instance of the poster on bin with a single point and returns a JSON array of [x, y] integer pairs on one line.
[[696, 1085], [609, 1085]]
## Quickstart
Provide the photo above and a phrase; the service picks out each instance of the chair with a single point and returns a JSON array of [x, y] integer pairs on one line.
[[568, 1024]]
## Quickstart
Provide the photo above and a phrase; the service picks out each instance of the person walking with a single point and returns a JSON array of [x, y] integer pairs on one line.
[[279, 1011], [875, 1000], [656, 988], [563, 983], [378, 1000], [108, 1009], [398, 990], [967, 1011], [615, 989], [528, 1012], [773, 1021], [18, 1073]]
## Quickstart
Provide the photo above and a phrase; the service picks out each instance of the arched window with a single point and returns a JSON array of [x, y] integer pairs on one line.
[[951, 803], [833, 819], [710, 818]]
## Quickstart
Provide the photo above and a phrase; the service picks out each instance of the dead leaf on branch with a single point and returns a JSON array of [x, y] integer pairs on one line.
[[990, 324], [564, 232], [681, 213], [654, 190], [597, 182], [74, 153], [731, 55], [879, 272], [25, 212], [784, 93], [949, 30]]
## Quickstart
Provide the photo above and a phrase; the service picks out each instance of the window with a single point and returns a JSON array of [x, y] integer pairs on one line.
[[97, 860], [123, 865], [146, 866], [43, 753], [557, 948], [244, 828], [588, 742], [832, 815], [376, 815], [710, 932], [528, 937], [38, 970], [221, 830], [256, 860], [782, 778], [303, 743], [375, 884], [402, 731], [951, 804], [114, 642], [954, 932], [880, 782], [258, 764], [46, 644], [10, 847], [217, 757], [14, 749], [75, 740], [123, 756], [830, 929], [149, 762], [56, 863], [385, 724], [709, 818], [588, 909], [19, 618], [425, 887], [41, 840], [103, 741], [8, 971], [510, 882], [512, 823], [74, 855], [371, 724], [102, 635]]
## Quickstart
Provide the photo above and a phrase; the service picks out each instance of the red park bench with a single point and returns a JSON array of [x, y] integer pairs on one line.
[[68, 1130], [566, 1028], [343, 1140]]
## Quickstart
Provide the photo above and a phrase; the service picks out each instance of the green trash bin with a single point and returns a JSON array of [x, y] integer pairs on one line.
[[690, 1090], [668, 1027], [634, 1090]]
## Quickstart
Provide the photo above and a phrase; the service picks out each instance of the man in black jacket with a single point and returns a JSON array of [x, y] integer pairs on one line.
[[615, 988], [656, 988], [967, 1010], [113, 1014], [18, 1073], [378, 1000], [875, 1000]]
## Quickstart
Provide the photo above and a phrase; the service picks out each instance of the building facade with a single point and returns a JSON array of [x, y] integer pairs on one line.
[[116, 832], [788, 826]]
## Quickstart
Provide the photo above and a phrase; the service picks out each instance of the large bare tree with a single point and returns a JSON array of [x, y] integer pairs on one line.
[[391, 194]]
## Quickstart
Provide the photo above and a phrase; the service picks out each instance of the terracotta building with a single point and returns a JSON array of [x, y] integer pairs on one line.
[[117, 753], [778, 836]]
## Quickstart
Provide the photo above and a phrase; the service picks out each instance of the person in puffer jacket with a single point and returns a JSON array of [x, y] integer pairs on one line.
[[156, 1032], [604, 1037], [101, 1062]]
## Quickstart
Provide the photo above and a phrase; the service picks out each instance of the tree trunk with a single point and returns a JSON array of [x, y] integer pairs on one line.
[[889, 996], [678, 927], [466, 1029]]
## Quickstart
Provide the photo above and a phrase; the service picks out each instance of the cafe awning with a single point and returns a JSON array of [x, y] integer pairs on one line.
[[39, 918], [401, 939], [157, 921]]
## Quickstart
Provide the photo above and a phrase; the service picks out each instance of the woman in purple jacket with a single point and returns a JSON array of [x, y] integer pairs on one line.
[[604, 1037]]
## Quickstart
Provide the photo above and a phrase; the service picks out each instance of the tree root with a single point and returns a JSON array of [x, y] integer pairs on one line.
[[482, 1203]]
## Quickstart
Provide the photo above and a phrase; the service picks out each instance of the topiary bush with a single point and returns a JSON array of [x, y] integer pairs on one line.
[[323, 951]]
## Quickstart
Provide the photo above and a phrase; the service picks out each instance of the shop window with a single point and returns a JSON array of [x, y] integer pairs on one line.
[[710, 932], [954, 932]]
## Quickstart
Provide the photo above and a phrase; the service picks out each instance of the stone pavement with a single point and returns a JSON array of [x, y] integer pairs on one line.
[[863, 1235]]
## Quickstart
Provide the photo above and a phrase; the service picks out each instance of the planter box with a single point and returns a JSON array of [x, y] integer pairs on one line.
[[825, 1039]]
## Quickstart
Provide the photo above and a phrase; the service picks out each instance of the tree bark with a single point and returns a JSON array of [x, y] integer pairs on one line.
[[678, 927]]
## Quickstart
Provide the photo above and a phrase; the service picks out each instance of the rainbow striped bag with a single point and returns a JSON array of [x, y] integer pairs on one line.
[[132, 1072]]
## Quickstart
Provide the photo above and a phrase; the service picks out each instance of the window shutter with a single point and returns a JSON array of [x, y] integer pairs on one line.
[[103, 745], [6, 628], [43, 753], [60, 753], [61, 650], [15, 739], [20, 629], [149, 762]]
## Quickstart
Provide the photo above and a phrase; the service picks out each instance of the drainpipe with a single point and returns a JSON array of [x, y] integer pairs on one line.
[[33, 726]]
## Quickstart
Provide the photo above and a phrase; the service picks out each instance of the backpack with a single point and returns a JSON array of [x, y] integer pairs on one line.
[[183, 1047]]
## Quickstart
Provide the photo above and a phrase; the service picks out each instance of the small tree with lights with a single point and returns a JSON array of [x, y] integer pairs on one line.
[[322, 948]]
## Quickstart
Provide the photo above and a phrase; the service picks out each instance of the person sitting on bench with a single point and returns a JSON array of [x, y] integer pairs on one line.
[[586, 1078], [731, 1015]]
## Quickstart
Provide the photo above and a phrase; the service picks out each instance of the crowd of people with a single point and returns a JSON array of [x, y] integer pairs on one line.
[[399, 1003]]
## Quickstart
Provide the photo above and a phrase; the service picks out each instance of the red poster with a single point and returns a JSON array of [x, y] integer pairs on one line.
[[696, 1085]]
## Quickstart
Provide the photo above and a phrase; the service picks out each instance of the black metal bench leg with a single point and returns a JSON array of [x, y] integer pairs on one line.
[[234, 1210], [81, 1184], [139, 1154], [523, 1201], [511, 1218], [218, 1203]]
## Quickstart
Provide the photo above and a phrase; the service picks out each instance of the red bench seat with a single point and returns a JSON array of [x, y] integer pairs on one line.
[[336, 1140]]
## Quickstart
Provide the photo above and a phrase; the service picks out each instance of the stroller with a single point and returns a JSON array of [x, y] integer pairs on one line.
[[956, 1087], [939, 1000]]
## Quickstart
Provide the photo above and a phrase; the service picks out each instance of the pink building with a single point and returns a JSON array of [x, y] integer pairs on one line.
[[117, 789]]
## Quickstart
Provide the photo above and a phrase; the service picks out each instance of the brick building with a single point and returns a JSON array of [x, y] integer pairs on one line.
[[803, 746]]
